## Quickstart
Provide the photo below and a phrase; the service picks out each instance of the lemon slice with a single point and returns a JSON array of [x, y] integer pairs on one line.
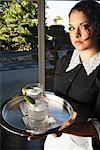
[[29, 100], [24, 90]]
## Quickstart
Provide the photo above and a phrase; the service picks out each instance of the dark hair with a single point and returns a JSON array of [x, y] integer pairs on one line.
[[91, 9]]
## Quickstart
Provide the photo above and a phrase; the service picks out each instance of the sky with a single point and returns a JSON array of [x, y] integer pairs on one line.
[[59, 8]]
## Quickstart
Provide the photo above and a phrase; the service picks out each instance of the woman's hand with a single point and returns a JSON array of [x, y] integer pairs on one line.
[[35, 137], [69, 122], [66, 124]]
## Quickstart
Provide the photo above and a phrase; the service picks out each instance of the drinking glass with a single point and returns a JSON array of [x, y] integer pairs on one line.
[[38, 116], [38, 112]]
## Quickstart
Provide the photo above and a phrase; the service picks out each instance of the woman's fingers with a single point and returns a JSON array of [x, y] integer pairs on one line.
[[32, 137], [69, 122], [36, 137], [29, 138]]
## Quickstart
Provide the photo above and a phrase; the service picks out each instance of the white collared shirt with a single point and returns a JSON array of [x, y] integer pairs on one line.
[[89, 65]]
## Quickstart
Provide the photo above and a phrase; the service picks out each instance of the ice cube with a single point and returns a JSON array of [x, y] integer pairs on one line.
[[32, 92], [31, 106], [40, 108], [51, 120]]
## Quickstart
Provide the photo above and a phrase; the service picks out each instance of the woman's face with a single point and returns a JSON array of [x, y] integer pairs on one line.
[[80, 31]]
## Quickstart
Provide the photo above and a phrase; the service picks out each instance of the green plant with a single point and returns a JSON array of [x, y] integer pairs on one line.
[[17, 17]]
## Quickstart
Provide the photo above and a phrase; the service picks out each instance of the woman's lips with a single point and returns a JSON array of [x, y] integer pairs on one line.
[[78, 42]]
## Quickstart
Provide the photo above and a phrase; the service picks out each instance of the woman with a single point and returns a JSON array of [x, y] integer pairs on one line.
[[77, 79]]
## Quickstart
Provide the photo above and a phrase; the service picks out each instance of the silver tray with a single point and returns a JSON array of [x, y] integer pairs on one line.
[[13, 119]]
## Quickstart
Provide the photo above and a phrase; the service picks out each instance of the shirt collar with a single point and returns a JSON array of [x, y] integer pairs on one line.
[[89, 65]]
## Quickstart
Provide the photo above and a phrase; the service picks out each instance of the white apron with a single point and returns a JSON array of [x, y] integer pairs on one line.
[[68, 142]]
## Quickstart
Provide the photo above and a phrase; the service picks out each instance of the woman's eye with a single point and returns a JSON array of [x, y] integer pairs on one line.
[[84, 27], [71, 28]]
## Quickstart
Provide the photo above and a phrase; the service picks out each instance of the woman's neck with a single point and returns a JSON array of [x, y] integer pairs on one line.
[[87, 54]]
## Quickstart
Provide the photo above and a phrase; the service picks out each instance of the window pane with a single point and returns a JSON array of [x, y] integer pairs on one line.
[[18, 46]]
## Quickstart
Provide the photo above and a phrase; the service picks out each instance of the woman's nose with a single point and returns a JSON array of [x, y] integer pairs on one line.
[[78, 33]]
